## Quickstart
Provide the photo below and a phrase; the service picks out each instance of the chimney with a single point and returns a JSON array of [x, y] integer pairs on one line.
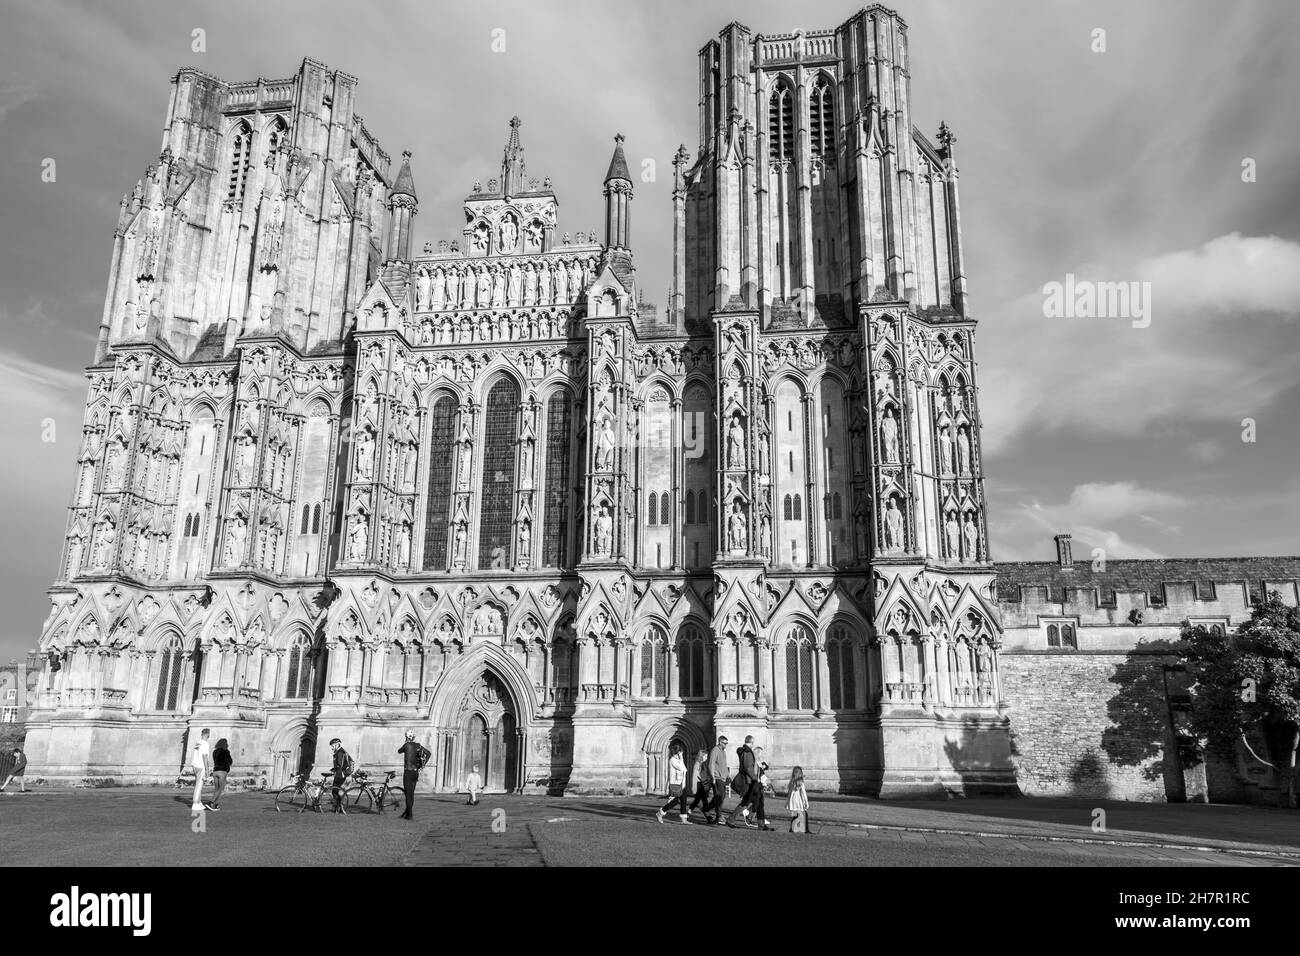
[[1063, 556]]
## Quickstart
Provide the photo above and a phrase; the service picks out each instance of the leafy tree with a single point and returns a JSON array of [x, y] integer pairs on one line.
[[1248, 684]]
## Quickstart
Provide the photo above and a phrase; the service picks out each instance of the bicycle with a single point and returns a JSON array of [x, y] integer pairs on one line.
[[364, 796], [305, 794]]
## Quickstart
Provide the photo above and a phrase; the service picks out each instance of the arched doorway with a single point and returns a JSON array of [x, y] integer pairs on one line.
[[658, 748], [489, 737]]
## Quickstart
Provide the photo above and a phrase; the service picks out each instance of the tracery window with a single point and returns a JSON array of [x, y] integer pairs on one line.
[[654, 663], [241, 157], [555, 552], [821, 118], [799, 669], [438, 511], [169, 676], [839, 661], [496, 505], [298, 684], [690, 663], [780, 135]]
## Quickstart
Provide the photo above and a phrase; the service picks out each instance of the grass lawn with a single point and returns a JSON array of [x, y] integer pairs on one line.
[[97, 829]]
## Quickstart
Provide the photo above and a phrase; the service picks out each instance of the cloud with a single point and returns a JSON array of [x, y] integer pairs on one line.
[[1205, 451], [14, 95], [1220, 346]]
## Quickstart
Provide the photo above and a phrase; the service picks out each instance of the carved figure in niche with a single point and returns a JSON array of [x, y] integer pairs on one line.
[[533, 233], [561, 276], [235, 534], [543, 284], [483, 288], [509, 233], [945, 451], [736, 444], [971, 532], [365, 455], [963, 451], [530, 285], [604, 531], [480, 237], [458, 549], [893, 525], [438, 290], [404, 545], [953, 534], [735, 337], [467, 289], [498, 288], [515, 289], [605, 445], [737, 536], [763, 453], [408, 466], [466, 453], [422, 291], [525, 542], [358, 538], [576, 285], [889, 436]]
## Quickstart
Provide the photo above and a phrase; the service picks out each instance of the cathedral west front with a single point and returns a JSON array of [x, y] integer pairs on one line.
[[332, 485]]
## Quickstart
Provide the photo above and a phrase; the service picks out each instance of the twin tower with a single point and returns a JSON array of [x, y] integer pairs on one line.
[[331, 486]]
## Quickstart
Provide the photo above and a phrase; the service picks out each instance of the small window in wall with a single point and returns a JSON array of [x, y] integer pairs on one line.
[[1062, 635]]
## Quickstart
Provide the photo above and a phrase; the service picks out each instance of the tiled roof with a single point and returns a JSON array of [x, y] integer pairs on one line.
[[1150, 576]]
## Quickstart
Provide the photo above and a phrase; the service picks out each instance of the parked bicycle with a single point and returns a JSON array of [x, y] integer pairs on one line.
[[304, 794], [364, 795]]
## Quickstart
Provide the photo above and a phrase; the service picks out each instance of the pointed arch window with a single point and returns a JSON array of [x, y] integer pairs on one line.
[[654, 663], [241, 157], [497, 495], [665, 511], [798, 507], [171, 661], [652, 515], [799, 669], [306, 519], [555, 552], [787, 508], [690, 507], [840, 667], [298, 684], [315, 520], [821, 118], [690, 663], [276, 135], [438, 510], [780, 129]]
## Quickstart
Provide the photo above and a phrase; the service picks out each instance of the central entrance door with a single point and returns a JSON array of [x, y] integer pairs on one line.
[[488, 735]]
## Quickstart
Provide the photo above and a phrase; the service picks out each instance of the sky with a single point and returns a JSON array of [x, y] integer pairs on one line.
[[1115, 164]]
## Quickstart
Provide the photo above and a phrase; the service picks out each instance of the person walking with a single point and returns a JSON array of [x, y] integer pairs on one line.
[[797, 802], [702, 784], [414, 757], [751, 791], [473, 786], [221, 761], [201, 763], [17, 771], [676, 786], [718, 771], [343, 767]]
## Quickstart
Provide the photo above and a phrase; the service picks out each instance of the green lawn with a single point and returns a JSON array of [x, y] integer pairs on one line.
[[100, 829]]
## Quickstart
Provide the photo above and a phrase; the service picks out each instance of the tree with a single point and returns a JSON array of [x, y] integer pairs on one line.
[[1248, 684]]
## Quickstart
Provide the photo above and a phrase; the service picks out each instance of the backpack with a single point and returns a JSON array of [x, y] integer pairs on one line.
[[422, 757], [349, 765]]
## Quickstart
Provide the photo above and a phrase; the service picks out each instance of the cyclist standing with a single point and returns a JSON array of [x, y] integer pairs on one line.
[[414, 757], [343, 767]]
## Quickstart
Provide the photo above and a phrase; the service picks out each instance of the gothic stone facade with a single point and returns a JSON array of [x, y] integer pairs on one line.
[[328, 486]]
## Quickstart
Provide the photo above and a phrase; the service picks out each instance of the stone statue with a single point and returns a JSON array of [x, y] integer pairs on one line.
[[525, 542], [404, 545], [604, 527], [575, 280], [244, 461], [893, 525], [466, 453], [736, 444], [737, 536], [104, 544], [358, 538], [605, 446], [467, 289], [543, 284], [483, 287], [498, 288], [422, 291], [509, 233], [365, 455], [889, 436], [235, 534], [963, 451], [763, 453], [515, 290], [530, 285], [408, 466], [438, 291], [953, 533], [971, 532], [945, 451], [561, 284], [458, 550]]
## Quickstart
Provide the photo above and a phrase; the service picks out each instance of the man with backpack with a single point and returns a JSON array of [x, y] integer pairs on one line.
[[344, 767], [414, 757]]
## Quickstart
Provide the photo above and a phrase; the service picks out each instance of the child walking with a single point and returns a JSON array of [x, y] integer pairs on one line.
[[473, 784], [797, 802]]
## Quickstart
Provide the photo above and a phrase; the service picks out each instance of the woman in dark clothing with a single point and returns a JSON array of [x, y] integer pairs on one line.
[[221, 761]]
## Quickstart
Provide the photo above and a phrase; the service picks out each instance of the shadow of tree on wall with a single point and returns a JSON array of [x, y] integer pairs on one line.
[[1087, 777], [982, 761], [1139, 734]]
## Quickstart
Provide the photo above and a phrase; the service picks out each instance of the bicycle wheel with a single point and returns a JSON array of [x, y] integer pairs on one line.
[[358, 800], [393, 799], [290, 798]]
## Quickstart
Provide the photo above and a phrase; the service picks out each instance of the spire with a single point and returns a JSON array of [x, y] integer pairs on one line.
[[405, 185], [512, 163], [618, 164]]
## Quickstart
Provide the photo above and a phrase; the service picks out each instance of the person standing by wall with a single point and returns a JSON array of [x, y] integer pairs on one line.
[[676, 786], [201, 763], [343, 767], [414, 757], [221, 762], [718, 770]]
